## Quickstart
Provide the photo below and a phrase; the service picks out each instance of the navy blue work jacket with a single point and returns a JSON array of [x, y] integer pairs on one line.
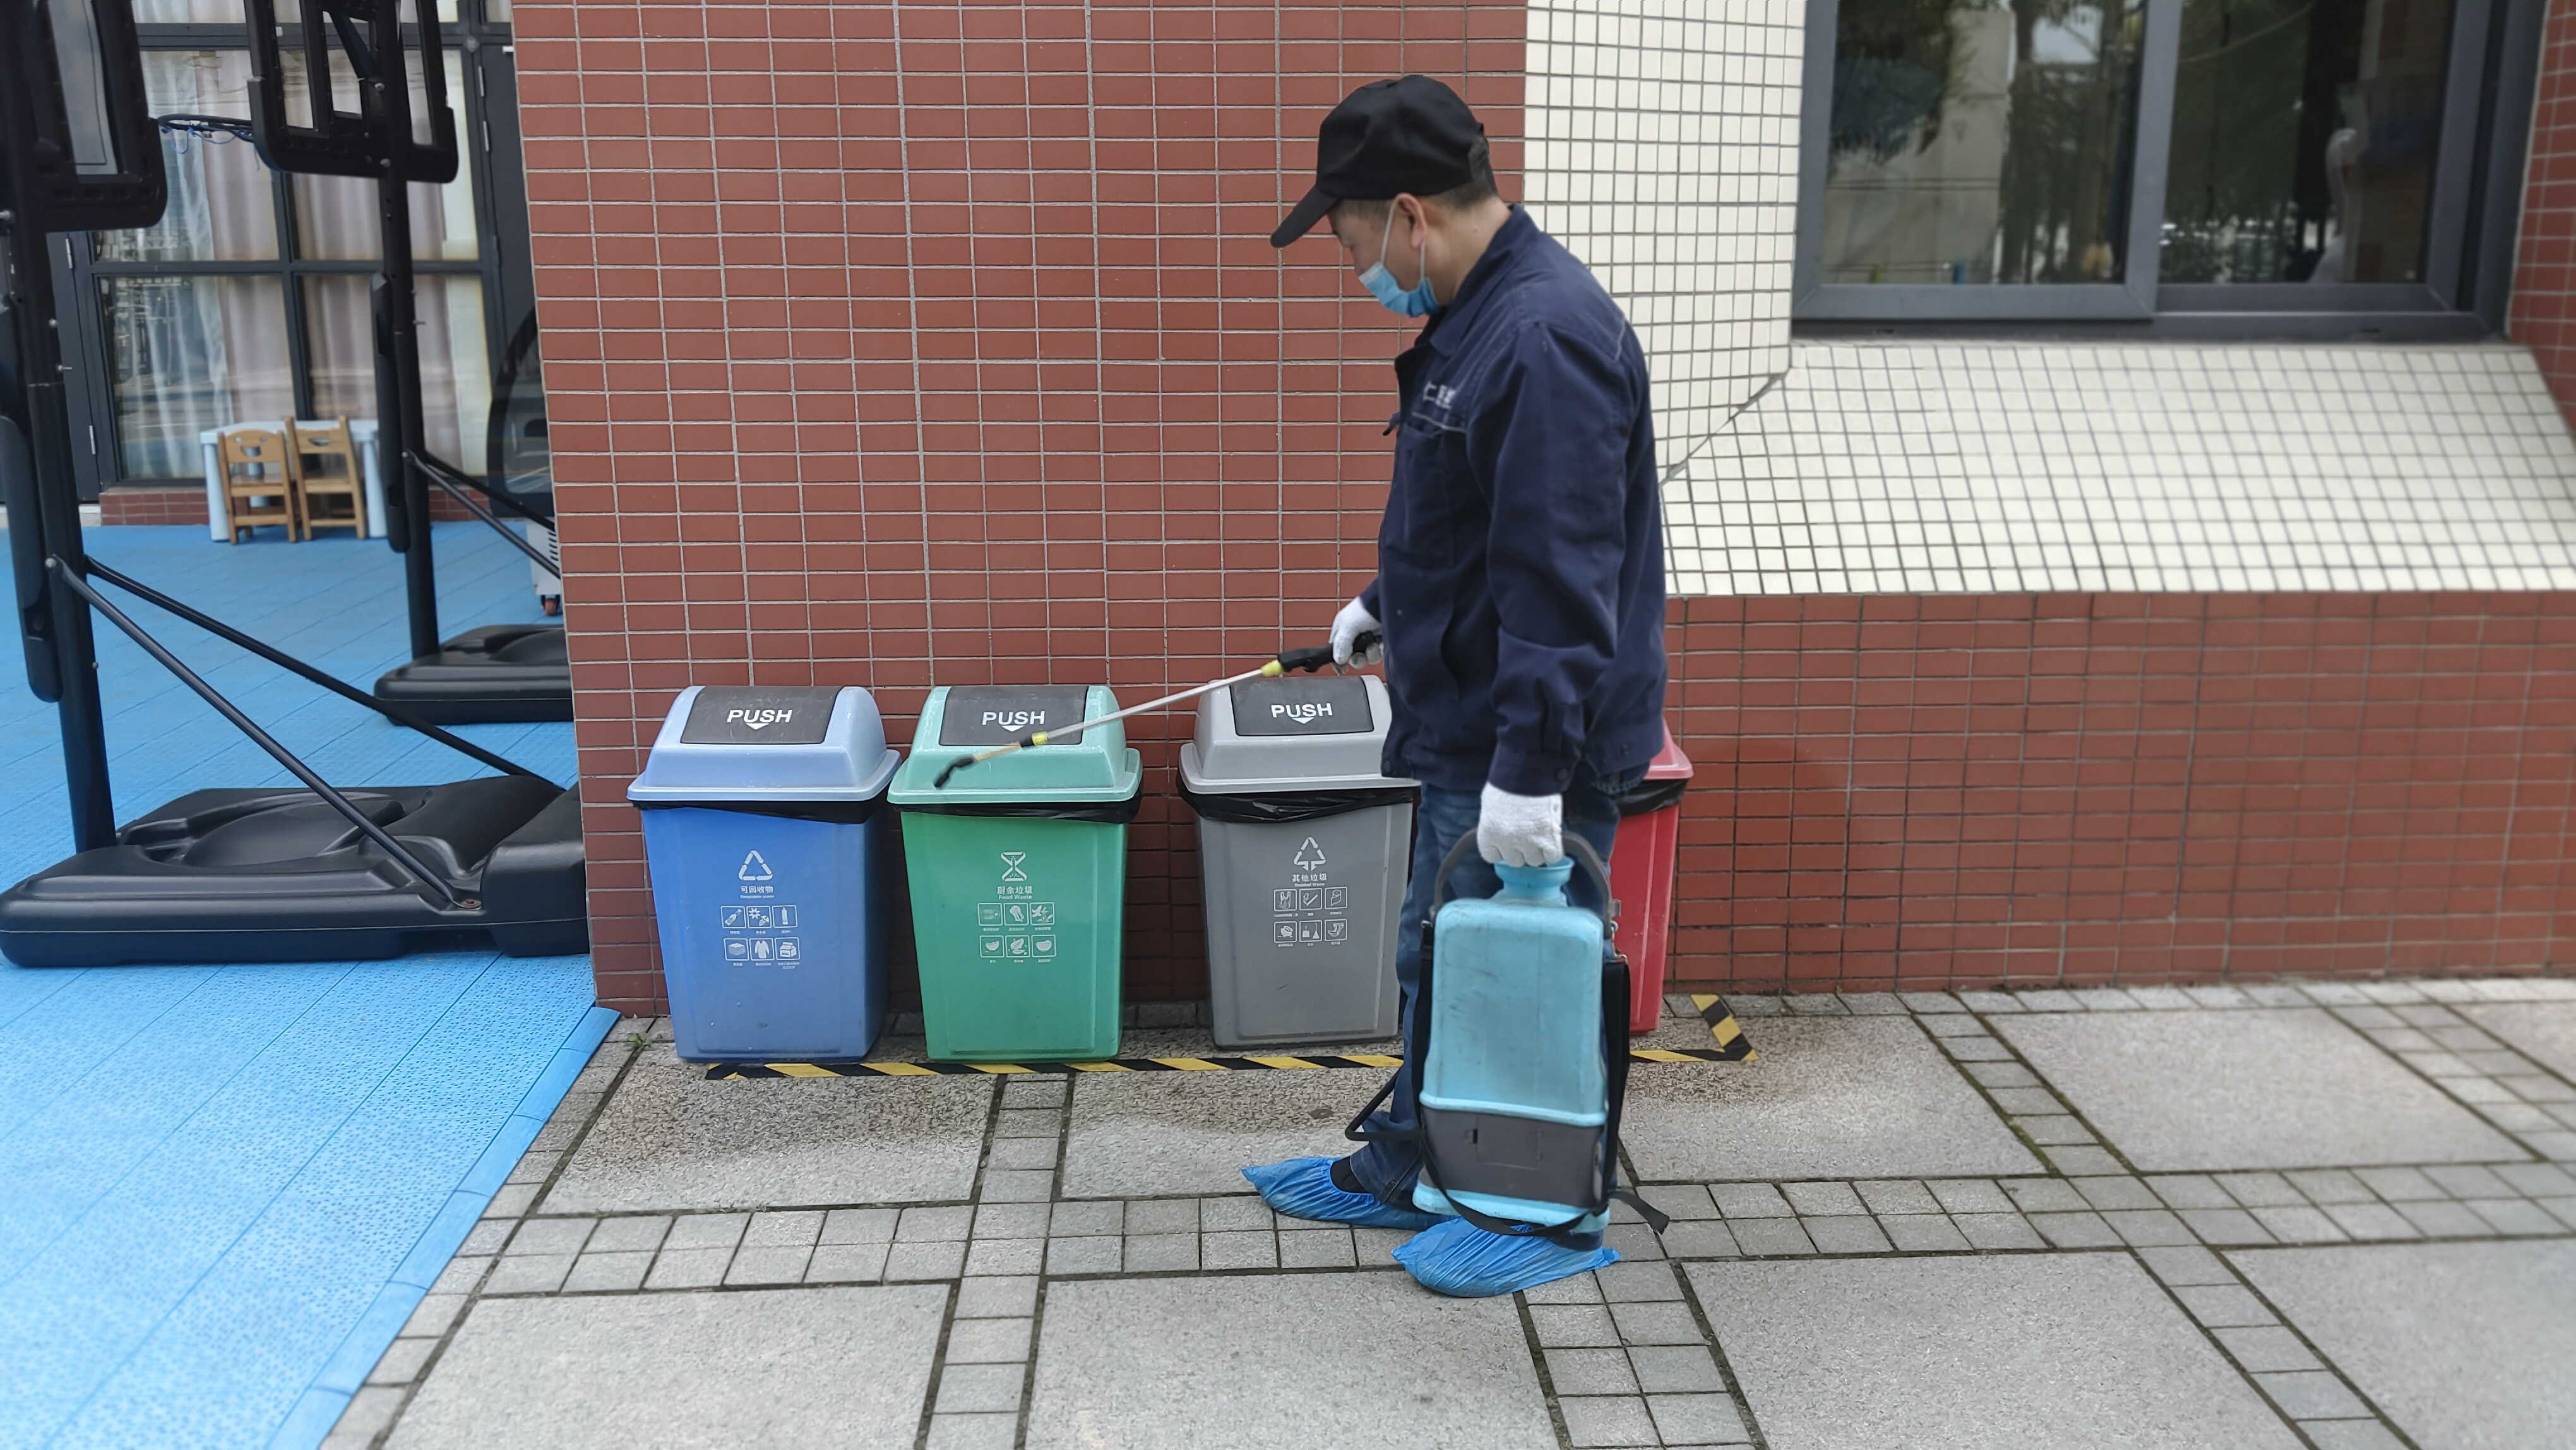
[[1521, 562]]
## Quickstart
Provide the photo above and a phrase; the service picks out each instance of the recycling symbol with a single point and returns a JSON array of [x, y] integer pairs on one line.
[[1309, 856], [1011, 862], [754, 868]]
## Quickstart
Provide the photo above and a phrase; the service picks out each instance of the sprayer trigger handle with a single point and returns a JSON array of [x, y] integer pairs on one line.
[[1314, 658]]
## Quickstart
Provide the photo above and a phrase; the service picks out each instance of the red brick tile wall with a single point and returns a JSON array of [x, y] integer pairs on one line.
[[900, 344], [1934, 791], [151, 504], [2542, 314]]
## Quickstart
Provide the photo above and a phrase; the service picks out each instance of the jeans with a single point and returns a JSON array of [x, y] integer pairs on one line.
[[1591, 811]]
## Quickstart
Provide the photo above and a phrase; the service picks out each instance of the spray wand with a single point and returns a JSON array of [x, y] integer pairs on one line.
[[1288, 661]]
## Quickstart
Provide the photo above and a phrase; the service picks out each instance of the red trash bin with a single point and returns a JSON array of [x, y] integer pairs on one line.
[[1643, 859]]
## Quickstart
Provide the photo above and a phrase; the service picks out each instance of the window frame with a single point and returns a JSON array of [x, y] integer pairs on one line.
[[501, 262], [2471, 222]]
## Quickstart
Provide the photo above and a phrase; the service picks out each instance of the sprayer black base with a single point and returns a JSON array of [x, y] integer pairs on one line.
[[499, 674], [277, 876]]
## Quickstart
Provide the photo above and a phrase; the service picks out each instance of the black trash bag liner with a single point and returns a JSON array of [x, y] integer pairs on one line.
[[837, 813], [1115, 813], [1276, 808], [1648, 796]]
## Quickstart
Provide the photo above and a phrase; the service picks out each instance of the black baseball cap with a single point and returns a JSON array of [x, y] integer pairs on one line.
[[1411, 134]]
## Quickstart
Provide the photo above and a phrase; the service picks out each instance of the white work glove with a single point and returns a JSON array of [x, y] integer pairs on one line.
[[1348, 626], [1520, 830]]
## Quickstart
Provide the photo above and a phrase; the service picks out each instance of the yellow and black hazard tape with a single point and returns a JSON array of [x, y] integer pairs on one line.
[[1265, 1063], [1732, 1044]]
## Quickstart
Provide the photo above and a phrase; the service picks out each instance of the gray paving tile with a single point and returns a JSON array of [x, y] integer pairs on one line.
[[528, 1274], [989, 1341], [1590, 1372], [2001, 1075], [1856, 1234], [1831, 1097], [623, 1370], [1635, 1283], [966, 1389], [1080, 1220], [367, 1414], [2147, 1227], [1749, 1200], [2110, 1193], [2514, 1216], [1923, 1233], [925, 1261], [2181, 1266], [846, 1264], [2463, 1344], [549, 1236], [2082, 1160], [1317, 1377], [2045, 1195], [2301, 1225], [2051, 1132], [688, 1268], [2312, 1395], [1700, 1239], [858, 1226], [767, 1266], [1676, 1369], [1996, 1231], [1668, 1322], [671, 1139], [2399, 1185], [997, 1298], [947, 1224], [628, 1235], [1770, 1236], [2445, 1220], [973, 1432], [1255, 1249], [1813, 1200], [2075, 1230], [2190, 1190], [2225, 1226], [783, 1230], [1594, 1422], [1004, 1256], [609, 1272], [2072, 1351], [1697, 1419], [1161, 1253], [2537, 1180], [1904, 1195], [1574, 1326], [2262, 1190], [1970, 1195], [2224, 1306], [1013, 1185], [2468, 1181], [2266, 1347], [401, 1363], [2371, 1221], [2330, 1185], [1088, 1255], [487, 1237], [1691, 1200], [2352, 1435], [1149, 1134], [1011, 1221], [2257, 1089], [1572, 1289]]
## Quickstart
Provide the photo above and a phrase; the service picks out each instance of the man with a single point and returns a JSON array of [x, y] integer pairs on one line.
[[1520, 575]]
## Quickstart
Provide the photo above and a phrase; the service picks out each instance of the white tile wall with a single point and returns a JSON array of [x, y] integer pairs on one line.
[[1972, 467], [1663, 150]]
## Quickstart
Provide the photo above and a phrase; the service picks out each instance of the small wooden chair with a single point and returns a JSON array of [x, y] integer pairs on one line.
[[330, 491], [259, 481]]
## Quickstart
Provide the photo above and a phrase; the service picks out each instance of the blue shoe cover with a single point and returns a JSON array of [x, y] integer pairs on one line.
[[1456, 1258], [1303, 1188]]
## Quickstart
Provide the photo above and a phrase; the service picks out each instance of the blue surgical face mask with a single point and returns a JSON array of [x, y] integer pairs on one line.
[[1391, 295]]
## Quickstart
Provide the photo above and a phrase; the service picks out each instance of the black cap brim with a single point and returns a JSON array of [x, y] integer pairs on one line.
[[1303, 219]]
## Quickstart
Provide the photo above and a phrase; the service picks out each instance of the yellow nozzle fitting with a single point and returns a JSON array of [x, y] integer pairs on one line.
[[1273, 670], [1038, 739]]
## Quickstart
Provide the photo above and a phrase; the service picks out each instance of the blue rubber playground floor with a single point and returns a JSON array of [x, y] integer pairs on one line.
[[226, 1187]]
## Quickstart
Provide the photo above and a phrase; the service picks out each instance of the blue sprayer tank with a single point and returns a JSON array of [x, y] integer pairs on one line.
[[1514, 1100]]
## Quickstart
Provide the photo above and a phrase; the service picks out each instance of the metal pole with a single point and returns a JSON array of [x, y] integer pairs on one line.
[[63, 622], [399, 429], [259, 737], [283, 660]]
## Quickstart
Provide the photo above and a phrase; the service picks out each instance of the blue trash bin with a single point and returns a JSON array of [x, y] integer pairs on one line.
[[765, 830]]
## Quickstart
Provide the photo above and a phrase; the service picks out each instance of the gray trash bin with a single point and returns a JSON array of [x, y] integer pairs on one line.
[[1304, 846]]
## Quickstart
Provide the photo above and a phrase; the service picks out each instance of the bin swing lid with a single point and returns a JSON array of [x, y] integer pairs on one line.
[[1090, 766], [754, 744], [1293, 734]]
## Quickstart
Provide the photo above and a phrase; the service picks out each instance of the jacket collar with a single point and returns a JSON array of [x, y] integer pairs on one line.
[[1449, 327]]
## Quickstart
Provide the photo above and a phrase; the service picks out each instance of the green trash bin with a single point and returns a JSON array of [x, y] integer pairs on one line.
[[1019, 873]]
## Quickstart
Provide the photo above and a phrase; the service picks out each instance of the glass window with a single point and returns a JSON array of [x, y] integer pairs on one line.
[[335, 216], [1980, 141], [220, 209], [191, 353], [2303, 140], [455, 363]]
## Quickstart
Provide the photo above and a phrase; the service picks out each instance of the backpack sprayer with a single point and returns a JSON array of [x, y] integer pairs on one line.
[[1289, 661]]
